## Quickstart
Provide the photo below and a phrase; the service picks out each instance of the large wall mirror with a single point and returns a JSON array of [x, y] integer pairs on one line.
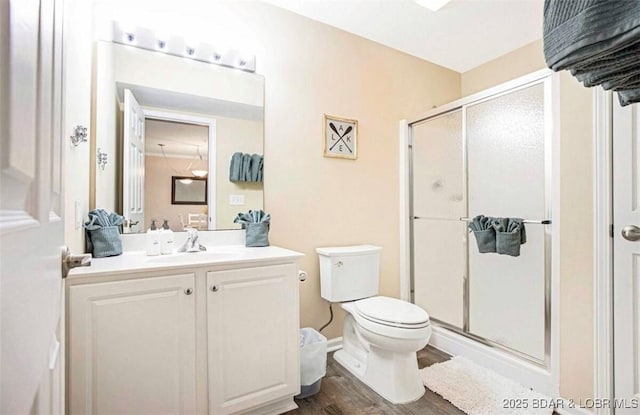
[[174, 126]]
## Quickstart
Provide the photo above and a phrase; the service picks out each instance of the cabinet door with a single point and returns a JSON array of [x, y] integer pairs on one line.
[[253, 336], [132, 347]]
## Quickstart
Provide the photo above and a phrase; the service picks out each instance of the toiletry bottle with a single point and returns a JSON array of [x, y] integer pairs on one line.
[[153, 239], [166, 238]]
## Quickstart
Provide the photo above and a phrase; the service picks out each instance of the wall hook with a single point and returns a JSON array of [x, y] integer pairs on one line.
[[79, 135], [102, 158]]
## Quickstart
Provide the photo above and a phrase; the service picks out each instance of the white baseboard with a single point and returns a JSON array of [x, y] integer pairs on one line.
[[334, 344], [525, 373]]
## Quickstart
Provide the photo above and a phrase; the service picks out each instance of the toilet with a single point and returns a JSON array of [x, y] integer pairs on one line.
[[381, 335]]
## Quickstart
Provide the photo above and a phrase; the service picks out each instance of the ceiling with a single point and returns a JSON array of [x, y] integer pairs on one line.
[[180, 140], [460, 36]]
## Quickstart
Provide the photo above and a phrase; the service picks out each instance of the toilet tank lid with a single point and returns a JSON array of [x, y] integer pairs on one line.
[[348, 250]]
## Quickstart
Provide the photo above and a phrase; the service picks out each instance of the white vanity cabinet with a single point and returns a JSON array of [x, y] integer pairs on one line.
[[150, 336], [132, 346], [253, 337]]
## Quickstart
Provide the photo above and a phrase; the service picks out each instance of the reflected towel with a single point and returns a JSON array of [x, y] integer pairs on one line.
[[235, 167], [260, 169], [485, 234], [245, 174], [255, 167]]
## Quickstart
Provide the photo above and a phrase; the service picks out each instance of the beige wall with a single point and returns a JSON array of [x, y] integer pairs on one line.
[[576, 211], [527, 59], [576, 239], [317, 201]]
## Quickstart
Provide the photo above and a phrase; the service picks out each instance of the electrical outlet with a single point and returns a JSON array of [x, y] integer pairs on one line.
[[236, 200], [77, 214]]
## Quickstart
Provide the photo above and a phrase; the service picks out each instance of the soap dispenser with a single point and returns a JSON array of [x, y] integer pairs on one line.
[[153, 239], [166, 239]]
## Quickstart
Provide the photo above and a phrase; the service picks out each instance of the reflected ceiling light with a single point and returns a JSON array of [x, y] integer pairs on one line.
[[199, 172], [186, 181], [433, 5]]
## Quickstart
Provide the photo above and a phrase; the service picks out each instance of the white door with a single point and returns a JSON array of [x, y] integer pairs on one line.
[[253, 332], [626, 213], [133, 162], [31, 225], [132, 347]]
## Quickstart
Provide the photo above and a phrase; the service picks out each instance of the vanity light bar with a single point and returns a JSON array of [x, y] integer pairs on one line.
[[174, 45]]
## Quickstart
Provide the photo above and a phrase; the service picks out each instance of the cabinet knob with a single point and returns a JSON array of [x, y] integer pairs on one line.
[[188, 291], [214, 288]]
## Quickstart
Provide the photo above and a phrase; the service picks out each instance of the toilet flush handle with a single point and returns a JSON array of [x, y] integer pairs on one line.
[[339, 263]]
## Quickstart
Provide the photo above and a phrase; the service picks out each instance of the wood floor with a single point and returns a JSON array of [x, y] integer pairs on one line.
[[342, 394]]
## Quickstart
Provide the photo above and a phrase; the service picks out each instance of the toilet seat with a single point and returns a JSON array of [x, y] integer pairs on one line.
[[392, 312]]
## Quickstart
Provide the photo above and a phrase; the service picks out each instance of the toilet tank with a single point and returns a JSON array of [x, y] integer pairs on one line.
[[349, 272]]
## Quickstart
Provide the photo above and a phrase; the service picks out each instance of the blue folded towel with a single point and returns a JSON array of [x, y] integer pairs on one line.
[[235, 167], [103, 233], [255, 167], [598, 41], [256, 223], [261, 169], [245, 174], [510, 234], [482, 229]]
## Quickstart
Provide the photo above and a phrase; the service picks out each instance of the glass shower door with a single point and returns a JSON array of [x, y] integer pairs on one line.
[[439, 244], [507, 176]]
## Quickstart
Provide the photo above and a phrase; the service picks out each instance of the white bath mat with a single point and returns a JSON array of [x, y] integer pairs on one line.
[[479, 391]]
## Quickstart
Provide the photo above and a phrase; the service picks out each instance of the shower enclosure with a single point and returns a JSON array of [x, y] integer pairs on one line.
[[487, 154]]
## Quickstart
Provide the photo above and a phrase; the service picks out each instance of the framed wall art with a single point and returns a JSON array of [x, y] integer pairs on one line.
[[340, 137]]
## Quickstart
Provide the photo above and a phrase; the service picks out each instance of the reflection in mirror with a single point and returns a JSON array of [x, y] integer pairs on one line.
[[186, 190], [165, 116]]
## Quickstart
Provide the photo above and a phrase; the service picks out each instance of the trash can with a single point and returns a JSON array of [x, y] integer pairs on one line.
[[313, 361]]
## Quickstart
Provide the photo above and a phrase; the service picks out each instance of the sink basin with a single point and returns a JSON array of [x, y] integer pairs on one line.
[[197, 257]]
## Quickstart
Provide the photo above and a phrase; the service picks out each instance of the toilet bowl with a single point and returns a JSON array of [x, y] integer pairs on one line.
[[381, 335], [381, 352]]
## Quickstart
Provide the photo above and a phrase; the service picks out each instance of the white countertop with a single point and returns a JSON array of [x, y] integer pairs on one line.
[[137, 261]]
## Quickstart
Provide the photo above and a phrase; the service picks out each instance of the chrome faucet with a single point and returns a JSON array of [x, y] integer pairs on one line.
[[192, 244]]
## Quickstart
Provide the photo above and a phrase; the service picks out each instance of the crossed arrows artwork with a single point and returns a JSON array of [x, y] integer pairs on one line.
[[341, 136]]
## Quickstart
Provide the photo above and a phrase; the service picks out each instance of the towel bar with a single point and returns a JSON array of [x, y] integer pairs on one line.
[[533, 222]]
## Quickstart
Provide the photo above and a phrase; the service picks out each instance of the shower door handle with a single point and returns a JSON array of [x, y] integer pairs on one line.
[[631, 233]]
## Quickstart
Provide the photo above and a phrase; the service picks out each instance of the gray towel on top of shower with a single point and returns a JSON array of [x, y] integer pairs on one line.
[[255, 167], [482, 229], [235, 167], [598, 40], [580, 31], [510, 234]]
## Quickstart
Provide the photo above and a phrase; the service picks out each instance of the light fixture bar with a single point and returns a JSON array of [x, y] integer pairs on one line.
[[144, 38]]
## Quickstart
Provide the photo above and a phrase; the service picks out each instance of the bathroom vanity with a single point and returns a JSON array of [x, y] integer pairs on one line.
[[213, 332]]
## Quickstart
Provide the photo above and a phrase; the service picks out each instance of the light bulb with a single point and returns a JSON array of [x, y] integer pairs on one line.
[[199, 173]]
